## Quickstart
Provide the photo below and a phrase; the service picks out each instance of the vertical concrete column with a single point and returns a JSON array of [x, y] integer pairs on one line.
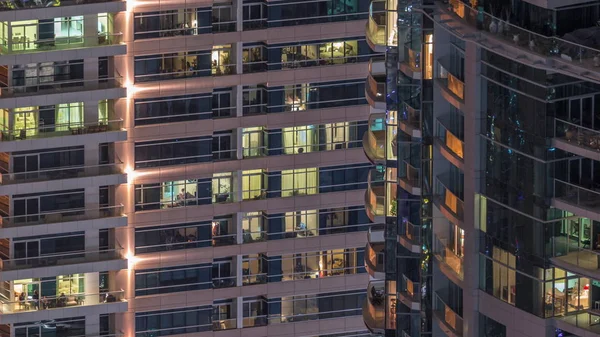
[[237, 219], [90, 72], [238, 11], [239, 270], [238, 96], [91, 153], [90, 112], [239, 141], [92, 322], [239, 312], [92, 200], [237, 186], [90, 29], [238, 56], [472, 171], [91, 284]]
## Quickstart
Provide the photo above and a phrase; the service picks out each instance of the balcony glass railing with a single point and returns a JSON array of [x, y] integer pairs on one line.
[[450, 140], [412, 57], [382, 26], [448, 256], [58, 130], [448, 316], [546, 46], [62, 259], [448, 199], [376, 88], [577, 195], [409, 174], [61, 302], [61, 216], [374, 144], [375, 195], [412, 231], [577, 134], [374, 258], [22, 4], [52, 86], [409, 115], [21, 46], [60, 173], [451, 82], [410, 289]]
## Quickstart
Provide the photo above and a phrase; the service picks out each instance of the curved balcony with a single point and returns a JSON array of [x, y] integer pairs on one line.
[[410, 237], [374, 139], [374, 259], [576, 199], [576, 139], [409, 293], [449, 203], [449, 321], [380, 196], [451, 264], [409, 178], [381, 28], [411, 66], [375, 91], [379, 308], [451, 146], [451, 87], [409, 119]]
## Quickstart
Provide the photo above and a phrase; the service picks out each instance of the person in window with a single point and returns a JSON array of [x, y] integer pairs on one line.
[[62, 300], [36, 298], [22, 300]]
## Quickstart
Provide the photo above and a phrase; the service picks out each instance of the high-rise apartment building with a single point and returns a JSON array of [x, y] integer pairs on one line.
[[183, 167], [488, 169]]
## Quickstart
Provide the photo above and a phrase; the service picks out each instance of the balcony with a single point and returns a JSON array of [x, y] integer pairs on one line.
[[576, 199], [409, 293], [114, 298], [374, 139], [16, 47], [64, 221], [64, 263], [527, 46], [374, 259], [576, 139], [410, 178], [451, 264], [449, 203], [451, 146], [84, 130], [409, 119], [39, 181], [16, 5], [449, 321], [382, 31], [379, 308], [410, 237], [451, 87], [375, 91], [411, 66], [379, 197], [67, 86]]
